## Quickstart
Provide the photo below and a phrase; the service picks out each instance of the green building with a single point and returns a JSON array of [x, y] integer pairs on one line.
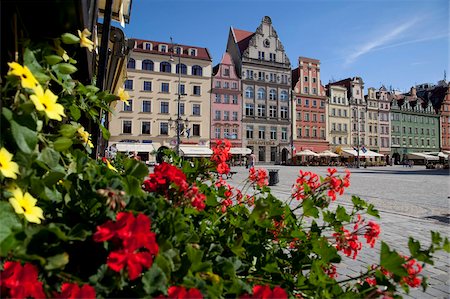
[[414, 125]]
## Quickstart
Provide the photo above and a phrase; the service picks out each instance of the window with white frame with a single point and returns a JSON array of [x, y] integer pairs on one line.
[[145, 127], [146, 106], [128, 106], [196, 109], [284, 134], [126, 127]]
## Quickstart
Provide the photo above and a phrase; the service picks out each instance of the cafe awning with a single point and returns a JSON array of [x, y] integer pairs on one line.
[[328, 153], [422, 156], [134, 147], [367, 154], [307, 152], [195, 151], [240, 151]]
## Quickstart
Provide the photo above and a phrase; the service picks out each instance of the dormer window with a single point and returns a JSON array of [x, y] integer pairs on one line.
[[193, 52], [179, 50], [163, 48], [148, 46]]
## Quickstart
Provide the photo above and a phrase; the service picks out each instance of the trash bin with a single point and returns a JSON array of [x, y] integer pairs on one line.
[[273, 177]]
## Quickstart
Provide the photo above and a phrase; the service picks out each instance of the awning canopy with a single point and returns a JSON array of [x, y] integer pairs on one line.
[[120, 10], [307, 152], [348, 152], [422, 156], [240, 151], [328, 153], [195, 151], [134, 147]]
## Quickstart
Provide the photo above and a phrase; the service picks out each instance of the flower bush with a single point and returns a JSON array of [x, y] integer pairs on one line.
[[76, 227]]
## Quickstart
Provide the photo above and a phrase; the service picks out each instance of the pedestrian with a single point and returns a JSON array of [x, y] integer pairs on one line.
[[252, 160]]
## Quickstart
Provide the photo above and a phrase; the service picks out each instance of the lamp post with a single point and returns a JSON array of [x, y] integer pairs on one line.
[[178, 120]]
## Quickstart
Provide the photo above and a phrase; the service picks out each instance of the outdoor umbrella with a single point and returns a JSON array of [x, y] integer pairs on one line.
[[307, 153]]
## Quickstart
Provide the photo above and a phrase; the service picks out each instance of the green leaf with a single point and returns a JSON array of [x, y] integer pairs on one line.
[[446, 245], [417, 253], [194, 255], [69, 38], [372, 211], [133, 186], [68, 130], [62, 143], [105, 132], [7, 113], [341, 214], [271, 268], [136, 168], [64, 68], [9, 220], [57, 261], [392, 261], [75, 111], [325, 250], [154, 280], [53, 59], [309, 209], [25, 138], [49, 157]]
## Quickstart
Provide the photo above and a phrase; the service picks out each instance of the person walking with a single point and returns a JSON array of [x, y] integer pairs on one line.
[[252, 160]]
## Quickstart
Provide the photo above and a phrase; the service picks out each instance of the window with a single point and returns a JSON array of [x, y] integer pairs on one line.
[[145, 127], [299, 101], [314, 132], [235, 115], [306, 103], [148, 46], [284, 112], [249, 132], [226, 98], [314, 103], [273, 153], [181, 108], [164, 129], [260, 55], [181, 89], [306, 116], [284, 95], [196, 109], [272, 57], [262, 110], [249, 110], [273, 111], [273, 133], [226, 85], [333, 111], [305, 89], [196, 90], [261, 153], [165, 67], [261, 76], [163, 48], [217, 115], [217, 133], [178, 50], [249, 74], [218, 98], [262, 132], [164, 87], [272, 94], [322, 133], [131, 63], [128, 107], [235, 99], [128, 84], [314, 117], [126, 127], [299, 132], [146, 106], [197, 70], [261, 94], [226, 115], [183, 68], [147, 65], [193, 52], [234, 85], [284, 133], [322, 118], [147, 85], [226, 72], [164, 108], [314, 90], [306, 79], [196, 130], [249, 92], [218, 84]]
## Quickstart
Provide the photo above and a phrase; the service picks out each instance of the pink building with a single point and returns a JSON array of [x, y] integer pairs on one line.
[[226, 103]]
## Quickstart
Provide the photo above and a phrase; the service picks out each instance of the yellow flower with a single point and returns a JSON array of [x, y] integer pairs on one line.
[[123, 95], [84, 40], [108, 164], [8, 168], [26, 77], [60, 51], [26, 204], [85, 136], [47, 102]]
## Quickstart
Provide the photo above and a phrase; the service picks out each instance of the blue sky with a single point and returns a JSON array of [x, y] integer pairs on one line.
[[396, 43]]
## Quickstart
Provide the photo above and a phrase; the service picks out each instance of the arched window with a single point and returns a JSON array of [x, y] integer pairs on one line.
[[261, 94], [249, 92], [131, 64], [165, 67], [284, 95], [197, 70], [183, 69], [147, 65], [273, 94]]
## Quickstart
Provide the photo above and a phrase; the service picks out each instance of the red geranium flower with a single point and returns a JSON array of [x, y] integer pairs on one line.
[[135, 262], [264, 292], [178, 292], [372, 233], [22, 281], [73, 291]]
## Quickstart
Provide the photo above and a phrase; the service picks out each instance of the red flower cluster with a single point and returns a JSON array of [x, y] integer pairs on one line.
[[330, 271], [163, 175], [19, 281], [139, 243], [264, 292], [336, 184], [347, 242], [73, 291], [196, 198], [372, 233], [258, 176], [308, 178], [413, 268], [230, 193], [176, 292], [221, 154]]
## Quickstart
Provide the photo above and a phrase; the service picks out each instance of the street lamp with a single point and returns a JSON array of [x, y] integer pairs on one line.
[[178, 120]]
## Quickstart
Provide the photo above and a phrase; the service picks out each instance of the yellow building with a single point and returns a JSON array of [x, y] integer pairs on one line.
[[338, 117]]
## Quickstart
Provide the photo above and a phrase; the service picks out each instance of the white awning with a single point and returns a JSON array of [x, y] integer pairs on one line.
[[307, 152], [368, 154], [134, 147], [422, 156], [328, 153], [195, 151], [240, 151]]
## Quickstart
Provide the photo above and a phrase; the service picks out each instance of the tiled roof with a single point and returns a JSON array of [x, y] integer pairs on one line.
[[202, 53], [242, 38]]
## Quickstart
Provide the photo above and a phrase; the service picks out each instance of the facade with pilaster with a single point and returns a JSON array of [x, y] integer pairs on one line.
[[265, 70], [373, 124], [338, 118], [384, 132]]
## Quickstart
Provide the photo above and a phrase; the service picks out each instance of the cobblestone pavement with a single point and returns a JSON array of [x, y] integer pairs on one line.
[[412, 202]]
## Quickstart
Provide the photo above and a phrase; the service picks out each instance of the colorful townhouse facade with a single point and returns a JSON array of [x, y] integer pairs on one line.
[[309, 113], [373, 124], [226, 103], [159, 74], [338, 118], [384, 119], [265, 72], [445, 119], [414, 125]]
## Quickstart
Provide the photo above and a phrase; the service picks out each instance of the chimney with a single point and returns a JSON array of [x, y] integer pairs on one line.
[[413, 92]]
